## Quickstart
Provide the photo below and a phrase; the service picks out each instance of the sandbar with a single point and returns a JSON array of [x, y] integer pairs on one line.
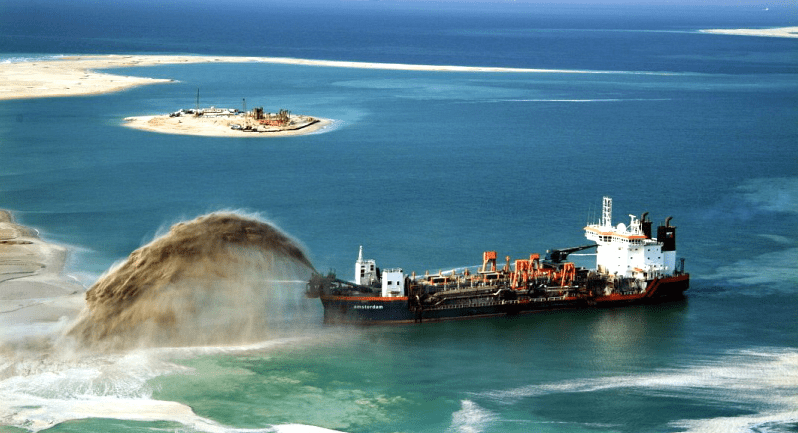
[[78, 75], [220, 126], [33, 286], [779, 32]]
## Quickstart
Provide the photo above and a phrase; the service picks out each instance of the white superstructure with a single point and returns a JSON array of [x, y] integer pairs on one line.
[[393, 283], [630, 251], [365, 270]]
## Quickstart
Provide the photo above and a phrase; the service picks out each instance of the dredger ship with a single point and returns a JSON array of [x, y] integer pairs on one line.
[[632, 267]]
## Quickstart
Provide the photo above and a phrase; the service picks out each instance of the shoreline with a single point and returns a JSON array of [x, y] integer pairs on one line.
[[778, 32], [214, 127], [77, 75], [33, 286]]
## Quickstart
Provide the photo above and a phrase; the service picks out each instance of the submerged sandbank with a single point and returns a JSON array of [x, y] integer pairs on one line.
[[779, 32], [77, 75], [219, 126]]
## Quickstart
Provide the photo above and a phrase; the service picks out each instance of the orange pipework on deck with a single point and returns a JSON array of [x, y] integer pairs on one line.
[[567, 274], [489, 257]]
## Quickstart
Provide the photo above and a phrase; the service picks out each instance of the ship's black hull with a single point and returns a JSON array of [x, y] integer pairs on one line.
[[379, 310]]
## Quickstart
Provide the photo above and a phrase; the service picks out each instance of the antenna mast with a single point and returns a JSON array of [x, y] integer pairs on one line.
[[606, 212]]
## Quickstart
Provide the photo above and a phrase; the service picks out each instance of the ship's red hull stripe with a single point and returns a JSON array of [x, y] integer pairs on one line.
[[651, 290], [365, 298]]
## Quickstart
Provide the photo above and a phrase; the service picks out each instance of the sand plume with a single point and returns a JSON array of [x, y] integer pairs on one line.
[[218, 279]]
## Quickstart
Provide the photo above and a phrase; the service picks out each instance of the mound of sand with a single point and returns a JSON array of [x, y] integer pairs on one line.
[[216, 279]]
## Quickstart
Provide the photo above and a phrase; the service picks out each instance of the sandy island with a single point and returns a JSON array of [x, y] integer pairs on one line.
[[223, 126], [780, 32]]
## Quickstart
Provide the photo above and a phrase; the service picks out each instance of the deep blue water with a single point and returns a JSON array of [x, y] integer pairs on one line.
[[610, 37], [426, 170]]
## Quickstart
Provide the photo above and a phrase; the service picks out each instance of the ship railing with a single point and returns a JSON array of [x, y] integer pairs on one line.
[[493, 303], [548, 299], [476, 304]]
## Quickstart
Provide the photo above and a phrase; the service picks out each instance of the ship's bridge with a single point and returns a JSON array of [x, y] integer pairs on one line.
[[628, 251]]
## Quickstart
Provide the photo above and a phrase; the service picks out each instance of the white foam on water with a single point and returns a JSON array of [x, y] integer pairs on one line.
[[772, 194], [334, 125], [775, 269], [471, 418], [756, 200], [46, 378], [30, 59], [776, 422], [38, 392], [779, 239], [762, 380]]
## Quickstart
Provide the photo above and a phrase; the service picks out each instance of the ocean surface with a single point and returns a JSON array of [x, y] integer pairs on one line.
[[426, 170]]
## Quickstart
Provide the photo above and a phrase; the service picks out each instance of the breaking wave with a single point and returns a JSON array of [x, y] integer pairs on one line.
[[333, 126], [471, 418], [219, 284], [38, 392], [31, 58]]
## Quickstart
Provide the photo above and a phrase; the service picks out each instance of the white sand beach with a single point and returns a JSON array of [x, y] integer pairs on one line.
[[217, 127], [33, 287], [780, 32], [68, 76]]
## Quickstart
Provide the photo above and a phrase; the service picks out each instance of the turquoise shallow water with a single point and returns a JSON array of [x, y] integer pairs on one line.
[[426, 170]]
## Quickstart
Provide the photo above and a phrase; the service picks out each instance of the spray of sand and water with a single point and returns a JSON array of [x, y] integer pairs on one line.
[[219, 283], [220, 278]]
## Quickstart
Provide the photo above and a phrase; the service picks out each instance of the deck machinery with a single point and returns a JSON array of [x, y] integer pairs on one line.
[[631, 267]]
